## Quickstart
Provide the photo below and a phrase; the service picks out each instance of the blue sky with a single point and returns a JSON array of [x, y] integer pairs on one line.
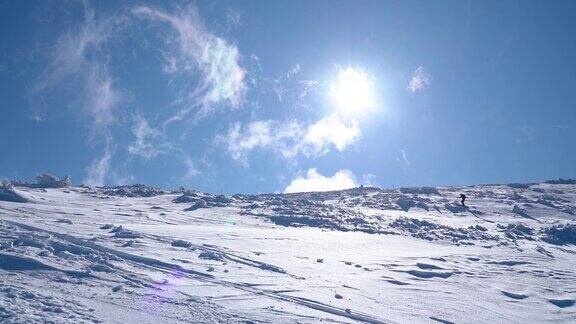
[[272, 96]]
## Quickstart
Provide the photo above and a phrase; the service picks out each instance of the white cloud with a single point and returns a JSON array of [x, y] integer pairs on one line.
[[191, 169], [293, 71], [314, 181], [282, 86], [102, 97], [420, 79], [369, 179], [289, 88], [222, 78], [403, 158], [234, 18], [332, 130], [99, 168], [36, 116], [282, 138], [307, 87], [279, 89], [145, 144], [290, 138]]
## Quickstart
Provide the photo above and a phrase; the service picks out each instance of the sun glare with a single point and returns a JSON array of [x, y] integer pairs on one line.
[[352, 92]]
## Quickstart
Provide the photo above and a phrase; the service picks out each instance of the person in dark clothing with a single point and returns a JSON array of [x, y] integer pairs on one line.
[[463, 197]]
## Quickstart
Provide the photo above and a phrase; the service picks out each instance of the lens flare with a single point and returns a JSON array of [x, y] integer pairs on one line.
[[352, 92]]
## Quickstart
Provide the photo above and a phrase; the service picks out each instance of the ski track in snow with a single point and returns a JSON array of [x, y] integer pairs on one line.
[[137, 254]]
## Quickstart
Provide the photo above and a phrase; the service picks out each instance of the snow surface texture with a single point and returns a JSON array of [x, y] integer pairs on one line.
[[136, 254]]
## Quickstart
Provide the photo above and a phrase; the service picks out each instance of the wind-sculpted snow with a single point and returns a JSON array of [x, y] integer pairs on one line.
[[299, 213], [133, 254], [517, 231], [202, 200], [45, 181], [420, 191], [137, 190], [8, 193], [372, 210], [560, 234], [520, 185], [16, 262], [427, 230], [200, 203], [561, 181]]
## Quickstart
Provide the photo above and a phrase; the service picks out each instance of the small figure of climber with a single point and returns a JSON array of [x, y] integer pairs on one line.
[[463, 197]]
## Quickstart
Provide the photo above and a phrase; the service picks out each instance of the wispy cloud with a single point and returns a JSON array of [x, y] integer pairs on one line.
[[288, 139], [233, 18], [420, 80], [314, 181], [403, 158], [147, 142], [78, 56], [191, 169], [561, 127], [290, 88], [222, 78], [526, 134], [81, 58], [103, 97], [293, 71], [307, 86], [100, 167], [369, 179], [279, 89]]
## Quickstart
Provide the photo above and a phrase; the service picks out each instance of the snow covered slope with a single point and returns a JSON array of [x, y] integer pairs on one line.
[[141, 255]]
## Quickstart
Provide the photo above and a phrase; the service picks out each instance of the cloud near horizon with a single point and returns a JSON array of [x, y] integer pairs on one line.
[[314, 181]]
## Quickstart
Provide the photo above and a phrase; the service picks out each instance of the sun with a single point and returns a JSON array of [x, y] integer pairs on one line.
[[352, 92]]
